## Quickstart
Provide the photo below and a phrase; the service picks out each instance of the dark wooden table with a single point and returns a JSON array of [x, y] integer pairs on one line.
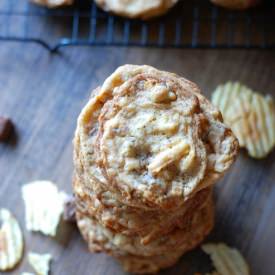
[[44, 94]]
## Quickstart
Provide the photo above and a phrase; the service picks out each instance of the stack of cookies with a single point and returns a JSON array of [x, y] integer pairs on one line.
[[147, 150]]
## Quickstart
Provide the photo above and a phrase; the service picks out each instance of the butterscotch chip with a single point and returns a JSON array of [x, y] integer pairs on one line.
[[227, 261], [40, 262], [11, 241], [250, 115], [44, 206], [137, 8], [53, 3], [6, 128]]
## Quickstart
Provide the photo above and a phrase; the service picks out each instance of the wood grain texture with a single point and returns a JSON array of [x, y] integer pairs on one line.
[[44, 94]]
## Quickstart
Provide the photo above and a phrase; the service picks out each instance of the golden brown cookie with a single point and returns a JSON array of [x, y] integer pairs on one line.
[[53, 3], [236, 4], [137, 8], [152, 139], [120, 246], [149, 225], [147, 150], [140, 265]]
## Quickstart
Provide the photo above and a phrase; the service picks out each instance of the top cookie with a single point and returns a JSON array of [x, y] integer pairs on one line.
[[152, 138], [136, 8]]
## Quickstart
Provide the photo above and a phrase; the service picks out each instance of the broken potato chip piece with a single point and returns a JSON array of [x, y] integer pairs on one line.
[[43, 205], [40, 262], [11, 241], [226, 260], [250, 115]]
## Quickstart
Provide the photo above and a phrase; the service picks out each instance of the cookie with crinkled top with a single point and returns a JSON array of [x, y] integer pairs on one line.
[[152, 139]]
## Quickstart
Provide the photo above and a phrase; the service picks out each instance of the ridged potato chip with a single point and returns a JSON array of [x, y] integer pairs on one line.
[[40, 262], [44, 206], [11, 241], [250, 115], [227, 261]]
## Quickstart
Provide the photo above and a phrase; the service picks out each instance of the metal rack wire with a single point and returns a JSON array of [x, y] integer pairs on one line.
[[191, 24]]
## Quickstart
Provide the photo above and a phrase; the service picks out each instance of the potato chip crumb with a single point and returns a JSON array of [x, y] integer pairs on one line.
[[40, 262], [226, 260], [11, 241], [44, 205]]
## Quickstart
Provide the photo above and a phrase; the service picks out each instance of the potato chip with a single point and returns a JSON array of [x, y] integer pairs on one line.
[[44, 206], [40, 262], [250, 115], [227, 261], [11, 241]]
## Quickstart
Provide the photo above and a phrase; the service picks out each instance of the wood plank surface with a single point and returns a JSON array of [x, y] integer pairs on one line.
[[44, 94]]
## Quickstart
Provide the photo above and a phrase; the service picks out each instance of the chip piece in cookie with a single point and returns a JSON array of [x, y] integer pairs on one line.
[[137, 8], [40, 263], [250, 115], [53, 3], [227, 261], [11, 241], [44, 206]]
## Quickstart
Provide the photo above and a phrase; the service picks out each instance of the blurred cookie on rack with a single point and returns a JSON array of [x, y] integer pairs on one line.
[[136, 8], [236, 4], [53, 3]]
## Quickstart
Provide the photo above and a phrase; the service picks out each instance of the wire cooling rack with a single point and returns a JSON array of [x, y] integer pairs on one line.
[[190, 24]]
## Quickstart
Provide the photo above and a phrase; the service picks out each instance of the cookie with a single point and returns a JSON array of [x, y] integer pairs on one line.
[[130, 221], [136, 8], [104, 239], [236, 4], [152, 139], [148, 149], [53, 3]]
